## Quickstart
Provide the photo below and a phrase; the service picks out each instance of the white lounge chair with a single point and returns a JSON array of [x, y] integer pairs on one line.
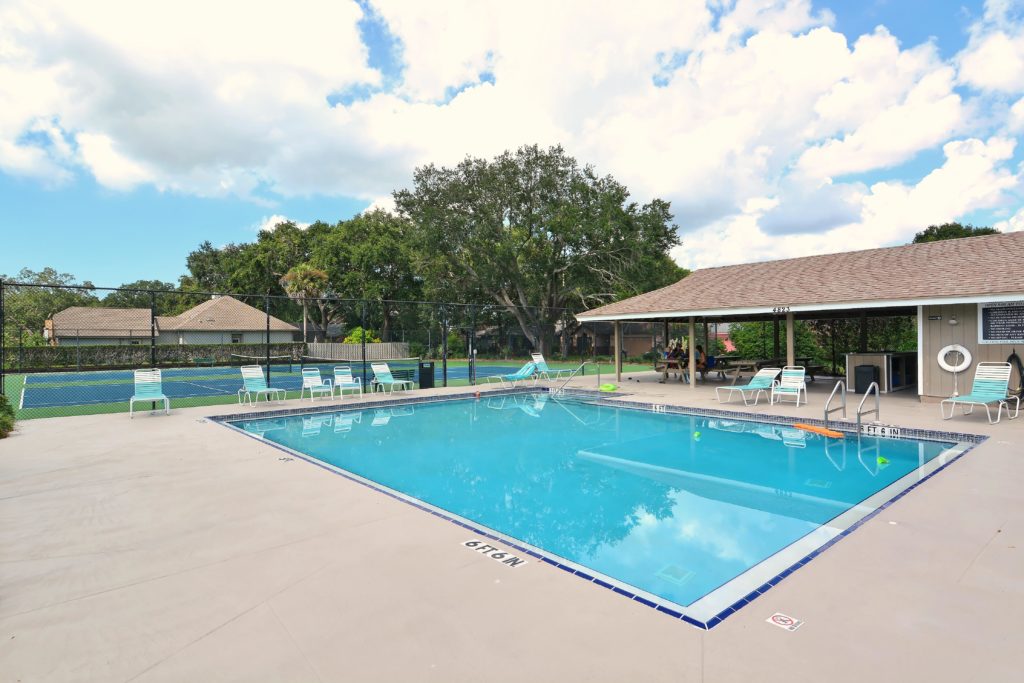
[[383, 379], [791, 384], [148, 387], [991, 381], [315, 384], [760, 383], [254, 383], [343, 380]]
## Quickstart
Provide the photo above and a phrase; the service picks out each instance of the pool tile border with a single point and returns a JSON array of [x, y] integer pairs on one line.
[[964, 444]]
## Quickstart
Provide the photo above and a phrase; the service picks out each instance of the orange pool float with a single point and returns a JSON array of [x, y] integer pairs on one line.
[[824, 431]]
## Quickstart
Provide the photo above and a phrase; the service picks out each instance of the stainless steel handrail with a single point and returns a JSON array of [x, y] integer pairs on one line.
[[572, 374], [872, 388], [842, 396]]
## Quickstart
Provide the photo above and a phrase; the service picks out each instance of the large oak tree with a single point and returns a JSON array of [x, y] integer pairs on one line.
[[538, 234]]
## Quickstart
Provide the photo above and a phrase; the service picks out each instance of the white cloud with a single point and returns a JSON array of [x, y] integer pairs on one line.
[[269, 223], [745, 114], [1014, 223]]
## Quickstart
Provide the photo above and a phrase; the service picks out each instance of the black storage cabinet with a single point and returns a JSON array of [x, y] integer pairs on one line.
[[863, 376], [426, 374]]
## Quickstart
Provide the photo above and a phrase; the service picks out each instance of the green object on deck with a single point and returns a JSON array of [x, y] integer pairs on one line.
[[608, 387]]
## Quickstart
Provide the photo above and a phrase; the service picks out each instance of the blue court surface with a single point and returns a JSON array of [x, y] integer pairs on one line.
[[47, 390]]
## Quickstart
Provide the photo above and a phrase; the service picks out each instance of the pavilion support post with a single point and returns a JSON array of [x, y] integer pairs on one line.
[[617, 339], [790, 341], [692, 351], [665, 338], [776, 346], [863, 345]]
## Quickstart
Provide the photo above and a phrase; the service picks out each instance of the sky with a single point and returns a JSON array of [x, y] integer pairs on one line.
[[130, 132]]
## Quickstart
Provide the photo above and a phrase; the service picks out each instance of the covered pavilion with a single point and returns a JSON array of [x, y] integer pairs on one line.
[[967, 292]]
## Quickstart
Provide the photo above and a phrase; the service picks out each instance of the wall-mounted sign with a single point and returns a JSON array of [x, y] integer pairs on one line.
[[1001, 323], [935, 317]]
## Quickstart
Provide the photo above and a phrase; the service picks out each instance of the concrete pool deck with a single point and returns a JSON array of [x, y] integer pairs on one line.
[[170, 548]]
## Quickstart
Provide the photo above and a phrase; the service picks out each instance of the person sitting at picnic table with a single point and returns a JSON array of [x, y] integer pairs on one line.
[[702, 360]]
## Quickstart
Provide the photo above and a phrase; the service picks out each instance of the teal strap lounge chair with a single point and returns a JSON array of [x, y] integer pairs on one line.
[[761, 383], [344, 381], [791, 384], [991, 381], [544, 372], [254, 385], [386, 382], [527, 372], [315, 384], [148, 387]]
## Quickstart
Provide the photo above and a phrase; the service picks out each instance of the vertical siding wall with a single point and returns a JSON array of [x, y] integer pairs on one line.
[[939, 333]]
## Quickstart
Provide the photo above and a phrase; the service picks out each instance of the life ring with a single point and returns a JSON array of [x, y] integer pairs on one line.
[[954, 348]]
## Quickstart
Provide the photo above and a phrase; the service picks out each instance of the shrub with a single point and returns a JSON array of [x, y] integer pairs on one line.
[[417, 349], [355, 336], [6, 417]]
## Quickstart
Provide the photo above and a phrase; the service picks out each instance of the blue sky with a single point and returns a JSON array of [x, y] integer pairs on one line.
[[115, 171]]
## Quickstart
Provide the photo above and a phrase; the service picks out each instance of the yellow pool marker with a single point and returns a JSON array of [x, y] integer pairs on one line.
[[824, 431]]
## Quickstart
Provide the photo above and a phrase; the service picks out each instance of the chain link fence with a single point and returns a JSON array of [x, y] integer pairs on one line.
[[74, 351]]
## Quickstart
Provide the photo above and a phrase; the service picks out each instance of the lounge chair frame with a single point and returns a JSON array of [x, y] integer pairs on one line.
[[761, 383], [991, 381]]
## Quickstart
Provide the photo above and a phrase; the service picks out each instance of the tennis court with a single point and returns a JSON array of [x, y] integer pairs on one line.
[[47, 390]]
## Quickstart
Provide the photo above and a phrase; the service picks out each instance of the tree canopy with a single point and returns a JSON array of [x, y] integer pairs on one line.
[[536, 233], [951, 231], [26, 309]]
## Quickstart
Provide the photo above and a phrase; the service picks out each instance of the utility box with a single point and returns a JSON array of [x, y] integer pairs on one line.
[[863, 376], [426, 374]]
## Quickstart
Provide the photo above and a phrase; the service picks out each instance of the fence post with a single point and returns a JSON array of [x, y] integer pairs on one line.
[[362, 337], [266, 311], [3, 339], [444, 348], [472, 345], [21, 350], [152, 334]]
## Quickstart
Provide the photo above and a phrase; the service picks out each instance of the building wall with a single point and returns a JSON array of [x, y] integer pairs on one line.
[[101, 341], [222, 337], [937, 383]]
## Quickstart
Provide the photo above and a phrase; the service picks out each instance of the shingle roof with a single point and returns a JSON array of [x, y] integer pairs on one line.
[[86, 321], [972, 266], [224, 313], [221, 314]]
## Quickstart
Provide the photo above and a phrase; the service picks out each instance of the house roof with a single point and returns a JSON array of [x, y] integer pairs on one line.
[[86, 321], [221, 314], [967, 269], [224, 314]]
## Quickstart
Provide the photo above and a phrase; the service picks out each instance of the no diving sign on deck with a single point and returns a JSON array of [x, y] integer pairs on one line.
[[785, 621]]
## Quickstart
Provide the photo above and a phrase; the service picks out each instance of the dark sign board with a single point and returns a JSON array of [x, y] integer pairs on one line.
[[1001, 323]]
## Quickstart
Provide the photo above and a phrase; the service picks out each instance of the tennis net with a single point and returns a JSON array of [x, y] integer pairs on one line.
[[279, 362]]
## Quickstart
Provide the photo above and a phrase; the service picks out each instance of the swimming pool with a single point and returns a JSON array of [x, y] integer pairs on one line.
[[691, 514]]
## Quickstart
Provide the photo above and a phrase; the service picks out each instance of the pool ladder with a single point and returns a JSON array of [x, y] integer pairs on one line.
[[841, 388], [561, 387]]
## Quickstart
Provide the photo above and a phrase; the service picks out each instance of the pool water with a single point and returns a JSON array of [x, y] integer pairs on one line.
[[676, 506]]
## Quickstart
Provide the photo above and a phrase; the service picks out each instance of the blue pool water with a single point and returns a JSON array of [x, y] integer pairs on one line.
[[673, 505]]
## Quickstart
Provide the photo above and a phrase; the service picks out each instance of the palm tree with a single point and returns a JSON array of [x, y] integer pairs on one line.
[[302, 283]]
